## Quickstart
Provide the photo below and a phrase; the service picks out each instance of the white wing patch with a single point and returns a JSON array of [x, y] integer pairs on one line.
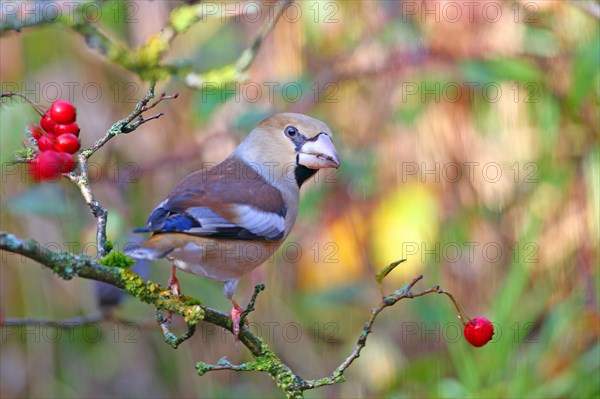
[[261, 223], [209, 220], [267, 224]]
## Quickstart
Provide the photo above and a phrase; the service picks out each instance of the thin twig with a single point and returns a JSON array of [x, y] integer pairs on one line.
[[19, 21], [68, 265], [140, 121], [36, 107], [250, 308], [236, 72], [143, 105], [123, 126], [462, 315], [146, 60], [222, 364], [80, 176], [81, 180], [338, 374], [171, 338], [246, 58]]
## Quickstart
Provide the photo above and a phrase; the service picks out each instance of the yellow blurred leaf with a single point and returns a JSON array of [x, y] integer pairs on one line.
[[336, 256], [405, 225]]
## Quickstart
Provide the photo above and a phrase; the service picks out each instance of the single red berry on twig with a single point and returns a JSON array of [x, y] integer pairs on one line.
[[63, 112], [67, 143], [479, 331]]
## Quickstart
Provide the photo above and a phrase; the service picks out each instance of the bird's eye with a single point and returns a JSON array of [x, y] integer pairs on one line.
[[291, 131]]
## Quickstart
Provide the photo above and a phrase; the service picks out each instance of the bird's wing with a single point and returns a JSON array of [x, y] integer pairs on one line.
[[230, 200]]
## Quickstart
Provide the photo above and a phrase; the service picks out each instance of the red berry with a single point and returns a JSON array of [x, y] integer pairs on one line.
[[36, 131], [67, 143], [48, 123], [46, 142], [72, 128], [68, 162], [63, 112], [479, 331], [46, 165]]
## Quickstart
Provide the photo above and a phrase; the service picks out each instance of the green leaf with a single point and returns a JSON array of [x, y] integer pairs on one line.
[[501, 69], [386, 270], [548, 115], [183, 18], [586, 65], [515, 69]]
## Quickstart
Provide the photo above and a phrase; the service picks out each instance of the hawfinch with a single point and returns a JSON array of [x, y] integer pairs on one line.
[[221, 223]]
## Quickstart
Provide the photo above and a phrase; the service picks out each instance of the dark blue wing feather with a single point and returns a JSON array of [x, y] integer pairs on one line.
[[162, 220]]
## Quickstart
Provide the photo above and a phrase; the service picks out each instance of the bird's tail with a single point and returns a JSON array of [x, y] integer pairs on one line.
[[156, 247]]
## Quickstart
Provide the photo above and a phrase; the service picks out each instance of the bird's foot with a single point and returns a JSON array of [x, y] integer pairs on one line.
[[236, 313], [173, 286]]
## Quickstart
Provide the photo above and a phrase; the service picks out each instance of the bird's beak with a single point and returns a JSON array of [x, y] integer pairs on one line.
[[318, 153]]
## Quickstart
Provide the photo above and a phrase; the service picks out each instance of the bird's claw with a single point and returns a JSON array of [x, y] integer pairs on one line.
[[236, 315], [235, 319], [173, 286]]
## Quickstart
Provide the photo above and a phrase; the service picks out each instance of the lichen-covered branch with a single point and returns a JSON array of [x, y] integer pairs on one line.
[[250, 308], [236, 71], [68, 265], [125, 125], [146, 60], [80, 175], [81, 180], [171, 338], [338, 374], [112, 267]]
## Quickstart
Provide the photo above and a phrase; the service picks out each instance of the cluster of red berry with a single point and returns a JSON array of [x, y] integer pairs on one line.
[[57, 140]]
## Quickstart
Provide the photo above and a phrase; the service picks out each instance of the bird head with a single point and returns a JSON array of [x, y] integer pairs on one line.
[[293, 145]]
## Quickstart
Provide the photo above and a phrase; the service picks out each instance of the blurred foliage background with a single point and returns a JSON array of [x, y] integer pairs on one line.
[[468, 133]]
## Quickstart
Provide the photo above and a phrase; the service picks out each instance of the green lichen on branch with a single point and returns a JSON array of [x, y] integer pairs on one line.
[[117, 259], [24, 154], [266, 361], [184, 17], [146, 61], [68, 265]]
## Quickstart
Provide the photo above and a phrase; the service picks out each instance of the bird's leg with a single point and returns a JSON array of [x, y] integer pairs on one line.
[[236, 312], [229, 288], [173, 285]]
